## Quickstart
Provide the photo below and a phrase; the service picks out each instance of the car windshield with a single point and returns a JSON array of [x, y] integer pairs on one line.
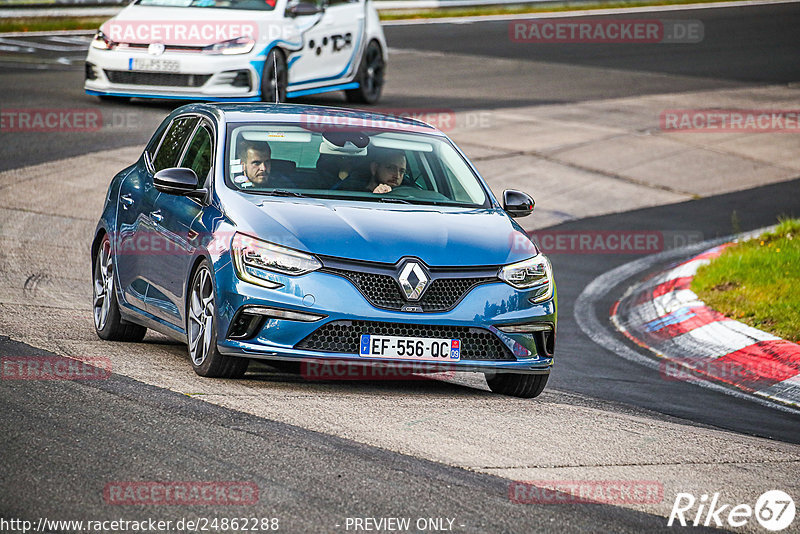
[[260, 5], [371, 165]]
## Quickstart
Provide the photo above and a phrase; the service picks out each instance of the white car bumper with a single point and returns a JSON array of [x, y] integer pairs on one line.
[[197, 75]]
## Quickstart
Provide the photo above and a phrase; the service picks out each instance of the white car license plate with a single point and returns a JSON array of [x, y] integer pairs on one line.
[[410, 348], [153, 65]]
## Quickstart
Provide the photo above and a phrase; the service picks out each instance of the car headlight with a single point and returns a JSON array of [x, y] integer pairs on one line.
[[535, 273], [242, 45], [254, 259], [101, 42]]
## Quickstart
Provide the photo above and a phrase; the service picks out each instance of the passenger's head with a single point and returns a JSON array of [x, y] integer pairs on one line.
[[388, 167], [256, 161]]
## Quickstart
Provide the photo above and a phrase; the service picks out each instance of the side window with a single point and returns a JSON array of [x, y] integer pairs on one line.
[[172, 143], [340, 2], [198, 155]]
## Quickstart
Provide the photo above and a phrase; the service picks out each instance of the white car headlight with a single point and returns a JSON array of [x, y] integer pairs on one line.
[[101, 42], [253, 257], [535, 273], [241, 45]]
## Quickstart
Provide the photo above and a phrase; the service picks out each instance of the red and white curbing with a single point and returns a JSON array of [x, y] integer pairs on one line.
[[696, 342]]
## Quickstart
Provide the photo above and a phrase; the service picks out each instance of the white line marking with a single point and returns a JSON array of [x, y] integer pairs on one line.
[[88, 33], [788, 391], [674, 301], [78, 40], [42, 46]]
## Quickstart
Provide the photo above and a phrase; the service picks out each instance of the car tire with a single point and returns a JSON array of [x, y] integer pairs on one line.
[[274, 65], [370, 76], [201, 331], [108, 323], [526, 386]]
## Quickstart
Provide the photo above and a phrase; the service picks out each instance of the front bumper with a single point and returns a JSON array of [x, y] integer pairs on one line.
[[482, 311], [108, 72]]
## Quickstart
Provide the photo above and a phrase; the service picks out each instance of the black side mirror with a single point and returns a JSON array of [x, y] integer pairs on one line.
[[303, 9], [517, 203], [177, 181]]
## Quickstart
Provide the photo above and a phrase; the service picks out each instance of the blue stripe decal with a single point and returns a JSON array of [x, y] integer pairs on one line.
[[340, 87], [179, 97], [346, 68]]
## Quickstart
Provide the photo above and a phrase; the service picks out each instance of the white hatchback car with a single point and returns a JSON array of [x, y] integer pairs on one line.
[[241, 50]]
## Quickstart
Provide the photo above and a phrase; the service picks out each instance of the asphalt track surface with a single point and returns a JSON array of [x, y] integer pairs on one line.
[[742, 46], [313, 481]]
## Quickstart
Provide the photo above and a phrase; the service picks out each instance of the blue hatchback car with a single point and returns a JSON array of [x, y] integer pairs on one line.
[[312, 234]]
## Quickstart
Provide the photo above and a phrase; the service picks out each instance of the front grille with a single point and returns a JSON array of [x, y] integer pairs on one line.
[[156, 78], [345, 337], [383, 291]]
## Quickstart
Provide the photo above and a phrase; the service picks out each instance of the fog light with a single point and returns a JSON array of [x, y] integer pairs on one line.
[[89, 71]]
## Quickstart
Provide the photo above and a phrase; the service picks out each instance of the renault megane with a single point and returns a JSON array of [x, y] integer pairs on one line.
[[299, 233]]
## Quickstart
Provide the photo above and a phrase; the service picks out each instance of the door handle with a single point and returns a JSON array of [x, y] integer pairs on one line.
[[156, 215], [127, 201]]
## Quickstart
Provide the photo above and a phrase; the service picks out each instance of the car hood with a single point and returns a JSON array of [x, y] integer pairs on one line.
[[364, 231], [162, 23]]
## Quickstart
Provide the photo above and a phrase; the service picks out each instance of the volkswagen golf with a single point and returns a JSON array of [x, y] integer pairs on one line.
[[238, 50]]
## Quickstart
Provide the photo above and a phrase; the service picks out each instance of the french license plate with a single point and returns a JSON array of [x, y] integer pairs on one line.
[[153, 65], [410, 348]]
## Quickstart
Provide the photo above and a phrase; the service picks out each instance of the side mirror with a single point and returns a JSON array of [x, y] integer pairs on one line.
[[303, 9], [177, 181], [517, 203]]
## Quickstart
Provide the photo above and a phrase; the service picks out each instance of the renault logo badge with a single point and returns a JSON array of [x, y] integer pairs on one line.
[[156, 49], [413, 281]]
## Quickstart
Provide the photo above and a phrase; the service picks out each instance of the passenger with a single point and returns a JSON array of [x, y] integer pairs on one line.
[[386, 171], [257, 164]]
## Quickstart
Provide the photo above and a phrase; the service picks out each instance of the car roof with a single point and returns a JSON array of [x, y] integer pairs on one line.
[[319, 116]]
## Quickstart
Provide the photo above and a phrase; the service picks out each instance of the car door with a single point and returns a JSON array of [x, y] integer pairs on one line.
[[180, 229], [140, 243], [136, 197], [331, 45]]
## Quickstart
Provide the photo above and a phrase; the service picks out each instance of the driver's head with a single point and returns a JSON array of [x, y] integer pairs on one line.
[[256, 161], [389, 167]]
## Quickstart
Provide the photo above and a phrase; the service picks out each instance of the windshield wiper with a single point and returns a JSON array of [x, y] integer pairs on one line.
[[280, 193], [394, 200]]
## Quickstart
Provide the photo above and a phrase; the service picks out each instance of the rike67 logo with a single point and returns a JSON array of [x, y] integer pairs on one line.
[[774, 510]]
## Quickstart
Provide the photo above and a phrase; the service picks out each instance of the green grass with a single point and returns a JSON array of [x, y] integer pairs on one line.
[[41, 24], [758, 281]]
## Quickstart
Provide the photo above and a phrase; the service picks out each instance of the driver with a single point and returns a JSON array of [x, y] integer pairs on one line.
[[257, 165]]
